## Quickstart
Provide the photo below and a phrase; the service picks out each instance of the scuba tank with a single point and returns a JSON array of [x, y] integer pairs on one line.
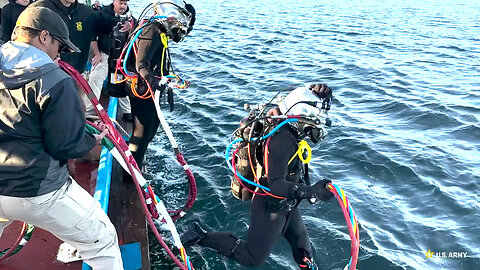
[[239, 190]]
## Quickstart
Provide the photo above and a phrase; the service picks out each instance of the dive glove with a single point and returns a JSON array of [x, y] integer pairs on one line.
[[321, 90], [190, 9], [324, 92], [318, 191], [157, 85]]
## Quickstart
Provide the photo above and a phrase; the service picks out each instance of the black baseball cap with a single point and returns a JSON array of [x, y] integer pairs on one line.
[[41, 18]]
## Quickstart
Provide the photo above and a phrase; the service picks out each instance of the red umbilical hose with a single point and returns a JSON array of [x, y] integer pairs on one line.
[[16, 244]]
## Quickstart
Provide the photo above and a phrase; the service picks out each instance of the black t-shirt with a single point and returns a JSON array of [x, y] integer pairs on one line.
[[10, 13], [84, 25]]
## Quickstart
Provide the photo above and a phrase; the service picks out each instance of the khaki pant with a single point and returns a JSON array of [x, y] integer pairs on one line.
[[97, 76], [72, 215]]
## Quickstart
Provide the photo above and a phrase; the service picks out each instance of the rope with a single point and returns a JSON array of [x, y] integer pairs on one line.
[[24, 236], [145, 208]]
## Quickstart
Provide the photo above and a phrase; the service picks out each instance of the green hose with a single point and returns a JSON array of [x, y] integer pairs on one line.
[[105, 142]]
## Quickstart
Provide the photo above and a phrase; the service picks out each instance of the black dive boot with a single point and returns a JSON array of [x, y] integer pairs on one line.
[[305, 260], [308, 264], [193, 235], [146, 174]]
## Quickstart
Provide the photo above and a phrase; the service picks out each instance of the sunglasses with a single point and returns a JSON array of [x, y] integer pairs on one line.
[[62, 47]]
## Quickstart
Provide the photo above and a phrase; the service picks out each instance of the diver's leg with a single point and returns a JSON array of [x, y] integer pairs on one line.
[[145, 125], [124, 105], [297, 236], [97, 76], [264, 231]]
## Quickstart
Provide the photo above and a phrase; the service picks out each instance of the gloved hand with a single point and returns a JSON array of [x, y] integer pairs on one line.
[[324, 92], [321, 90], [318, 191], [190, 9], [157, 86]]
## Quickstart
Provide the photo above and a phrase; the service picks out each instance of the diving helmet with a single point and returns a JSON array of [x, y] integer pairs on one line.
[[177, 19], [311, 102]]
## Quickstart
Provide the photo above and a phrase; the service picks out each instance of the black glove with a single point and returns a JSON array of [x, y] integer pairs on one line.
[[321, 90], [156, 86], [318, 191], [324, 92], [190, 9]]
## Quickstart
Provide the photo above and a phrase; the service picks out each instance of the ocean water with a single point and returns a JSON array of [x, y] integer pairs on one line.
[[405, 139]]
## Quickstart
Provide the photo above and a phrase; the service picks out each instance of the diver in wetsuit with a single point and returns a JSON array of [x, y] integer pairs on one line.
[[272, 217], [153, 62]]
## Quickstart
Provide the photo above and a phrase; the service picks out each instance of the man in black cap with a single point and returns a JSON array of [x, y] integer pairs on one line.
[[41, 126]]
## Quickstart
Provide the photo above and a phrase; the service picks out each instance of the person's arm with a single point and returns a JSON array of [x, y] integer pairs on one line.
[[192, 11], [7, 26], [280, 150], [97, 56], [63, 122], [104, 22], [148, 44]]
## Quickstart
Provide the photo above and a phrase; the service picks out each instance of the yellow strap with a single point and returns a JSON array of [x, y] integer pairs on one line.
[[302, 146], [164, 39], [3, 220]]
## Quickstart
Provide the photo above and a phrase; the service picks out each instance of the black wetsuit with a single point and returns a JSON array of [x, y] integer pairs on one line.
[[270, 217], [147, 63]]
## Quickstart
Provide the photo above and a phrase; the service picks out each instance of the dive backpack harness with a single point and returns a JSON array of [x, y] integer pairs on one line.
[[255, 156], [251, 153]]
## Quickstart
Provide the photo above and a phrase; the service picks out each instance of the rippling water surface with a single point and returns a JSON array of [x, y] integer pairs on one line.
[[406, 134]]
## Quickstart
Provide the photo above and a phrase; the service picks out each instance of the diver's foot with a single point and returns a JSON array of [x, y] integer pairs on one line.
[[308, 264], [193, 235], [146, 174]]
